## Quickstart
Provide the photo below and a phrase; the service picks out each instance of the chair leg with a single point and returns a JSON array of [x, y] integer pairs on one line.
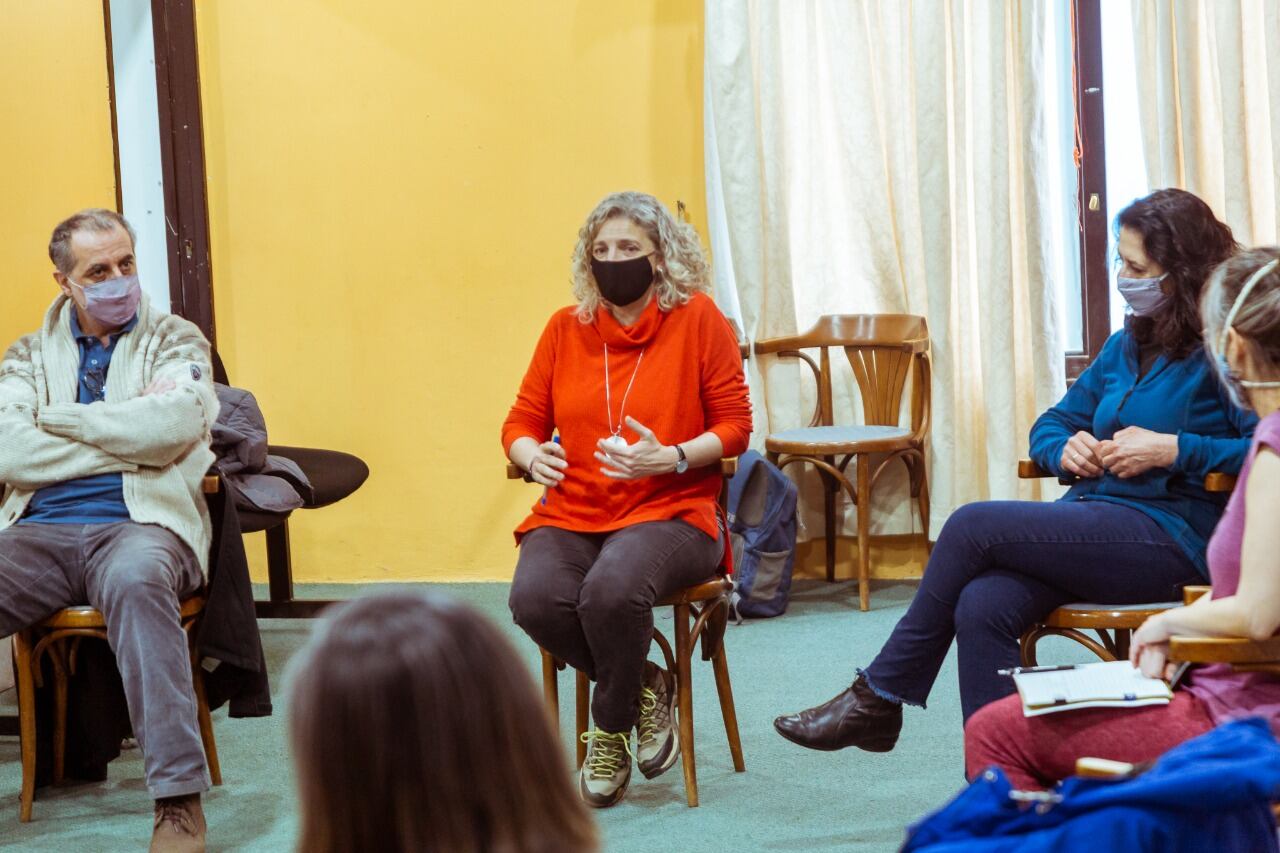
[[583, 713], [720, 664], [26, 720], [864, 531], [684, 699], [923, 502], [1120, 639], [58, 658], [1027, 644], [551, 689], [279, 563], [829, 520], [206, 722]]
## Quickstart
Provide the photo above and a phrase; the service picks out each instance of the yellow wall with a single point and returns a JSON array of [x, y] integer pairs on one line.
[[55, 149], [395, 189]]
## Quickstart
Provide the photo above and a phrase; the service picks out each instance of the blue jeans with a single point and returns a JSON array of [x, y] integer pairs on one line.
[[1000, 566]]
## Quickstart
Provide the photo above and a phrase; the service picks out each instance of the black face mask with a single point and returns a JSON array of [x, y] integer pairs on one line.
[[623, 282]]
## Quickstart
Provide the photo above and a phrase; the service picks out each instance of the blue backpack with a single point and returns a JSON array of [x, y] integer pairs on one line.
[[762, 530]]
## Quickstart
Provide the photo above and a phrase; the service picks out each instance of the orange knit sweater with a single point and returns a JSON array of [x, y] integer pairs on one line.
[[689, 381]]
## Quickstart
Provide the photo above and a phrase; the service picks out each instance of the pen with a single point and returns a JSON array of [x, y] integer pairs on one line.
[[1017, 670]]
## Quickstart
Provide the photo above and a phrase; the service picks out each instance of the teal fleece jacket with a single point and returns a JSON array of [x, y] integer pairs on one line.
[[1182, 397]]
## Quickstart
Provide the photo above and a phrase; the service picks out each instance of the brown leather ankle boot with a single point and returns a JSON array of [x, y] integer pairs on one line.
[[857, 717]]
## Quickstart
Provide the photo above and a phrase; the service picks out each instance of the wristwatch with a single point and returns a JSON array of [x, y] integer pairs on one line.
[[682, 461]]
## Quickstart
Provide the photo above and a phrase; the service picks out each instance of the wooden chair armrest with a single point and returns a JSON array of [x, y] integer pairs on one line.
[[1191, 593], [1029, 470], [1216, 481], [1233, 650]]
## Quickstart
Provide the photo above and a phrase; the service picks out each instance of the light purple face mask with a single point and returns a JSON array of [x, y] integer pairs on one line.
[[1144, 295], [112, 302]]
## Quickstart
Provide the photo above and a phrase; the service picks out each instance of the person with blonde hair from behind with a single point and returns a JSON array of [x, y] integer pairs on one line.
[[415, 726]]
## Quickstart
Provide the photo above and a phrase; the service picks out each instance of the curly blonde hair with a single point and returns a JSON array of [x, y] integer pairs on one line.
[[681, 266]]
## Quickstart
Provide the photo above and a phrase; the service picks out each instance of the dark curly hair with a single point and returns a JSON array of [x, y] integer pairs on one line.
[[1181, 234]]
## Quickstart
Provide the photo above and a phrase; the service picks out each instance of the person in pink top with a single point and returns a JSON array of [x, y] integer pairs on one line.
[[1241, 312]]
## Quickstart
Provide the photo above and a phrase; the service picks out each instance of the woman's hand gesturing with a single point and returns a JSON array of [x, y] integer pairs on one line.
[[645, 458], [547, 465]]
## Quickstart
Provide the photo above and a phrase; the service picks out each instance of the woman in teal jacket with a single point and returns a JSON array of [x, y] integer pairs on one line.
[[1137, 433]]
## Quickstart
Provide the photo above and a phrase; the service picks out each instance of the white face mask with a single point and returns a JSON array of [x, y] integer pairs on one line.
[[1230, 378], [112, 302], [1144, 295]]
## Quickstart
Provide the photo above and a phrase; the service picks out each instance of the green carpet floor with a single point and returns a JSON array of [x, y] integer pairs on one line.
[[789, 799]]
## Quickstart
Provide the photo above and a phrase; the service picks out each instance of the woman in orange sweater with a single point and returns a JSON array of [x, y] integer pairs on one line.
[[642, 379]]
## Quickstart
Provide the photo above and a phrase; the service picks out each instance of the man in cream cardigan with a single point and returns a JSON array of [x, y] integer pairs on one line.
[[105, 417]]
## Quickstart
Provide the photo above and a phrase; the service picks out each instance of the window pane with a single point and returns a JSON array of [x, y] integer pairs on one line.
[[1126, 164], [1060, 111]]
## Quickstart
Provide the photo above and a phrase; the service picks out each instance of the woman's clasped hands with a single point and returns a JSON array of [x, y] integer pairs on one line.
[[1128, 453]]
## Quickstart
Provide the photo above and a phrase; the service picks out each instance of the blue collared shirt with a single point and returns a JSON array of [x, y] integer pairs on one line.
[[87, 500]]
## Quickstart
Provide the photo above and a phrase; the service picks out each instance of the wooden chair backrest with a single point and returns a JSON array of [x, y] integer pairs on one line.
[[881, 348]]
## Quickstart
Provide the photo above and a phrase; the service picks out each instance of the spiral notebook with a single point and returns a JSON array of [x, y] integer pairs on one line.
[[1114, 684]]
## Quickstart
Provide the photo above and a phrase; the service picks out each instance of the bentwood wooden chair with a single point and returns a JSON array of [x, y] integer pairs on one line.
[[58, 637], [1241, 654], [1112, 624], [882, 350], [701, 613]]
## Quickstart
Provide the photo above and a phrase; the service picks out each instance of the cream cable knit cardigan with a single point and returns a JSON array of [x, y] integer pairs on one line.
[[159, 443]]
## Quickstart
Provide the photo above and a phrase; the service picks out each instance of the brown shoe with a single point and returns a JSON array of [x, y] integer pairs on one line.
[[179, 825], [857, 717]]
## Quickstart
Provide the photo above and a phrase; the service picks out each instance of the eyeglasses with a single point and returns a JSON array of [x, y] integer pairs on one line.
[[95, 381]]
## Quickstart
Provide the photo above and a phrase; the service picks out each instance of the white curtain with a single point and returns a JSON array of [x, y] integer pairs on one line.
[[894, 156], [1207, 73]]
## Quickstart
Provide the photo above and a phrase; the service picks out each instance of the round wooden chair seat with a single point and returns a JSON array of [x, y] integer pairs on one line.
[[1106, 616], [705, 591], [840, 440], [84, 616]]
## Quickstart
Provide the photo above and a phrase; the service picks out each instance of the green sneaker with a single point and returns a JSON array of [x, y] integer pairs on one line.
[[607, 768], [657, 746]]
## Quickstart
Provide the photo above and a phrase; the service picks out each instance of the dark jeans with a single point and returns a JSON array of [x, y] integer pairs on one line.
[[1000, 566], [134, 574], [588, 598]]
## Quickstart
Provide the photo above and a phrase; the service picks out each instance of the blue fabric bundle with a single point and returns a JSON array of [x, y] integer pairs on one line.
[[1210, 793]]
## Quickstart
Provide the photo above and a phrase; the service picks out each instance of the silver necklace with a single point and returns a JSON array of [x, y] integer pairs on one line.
[[608, 397]]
